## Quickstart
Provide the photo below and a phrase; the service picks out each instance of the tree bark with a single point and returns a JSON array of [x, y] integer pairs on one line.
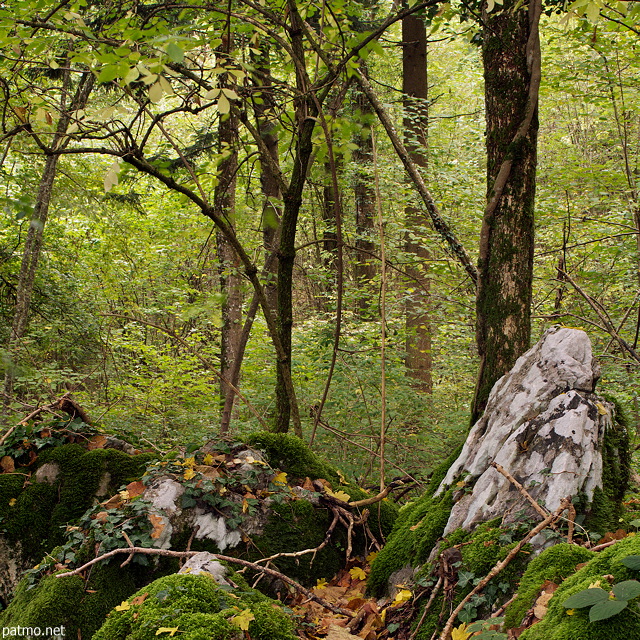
[[365, 205], [418, 360], [511, 56]]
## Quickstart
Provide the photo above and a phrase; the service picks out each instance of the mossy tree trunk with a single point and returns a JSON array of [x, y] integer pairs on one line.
[[511, 56], [416, 122]]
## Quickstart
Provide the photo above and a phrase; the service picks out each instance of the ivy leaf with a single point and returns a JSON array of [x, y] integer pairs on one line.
[[585, 598], [606, 609], [626, 590]]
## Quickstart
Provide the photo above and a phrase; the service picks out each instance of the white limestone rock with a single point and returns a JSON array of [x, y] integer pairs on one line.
[[543, 424], [205, 562]]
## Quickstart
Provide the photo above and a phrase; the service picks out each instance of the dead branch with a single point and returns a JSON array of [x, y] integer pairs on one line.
[[434, 593], [63, 403], [188, 554], [543, 512], [551, 518]]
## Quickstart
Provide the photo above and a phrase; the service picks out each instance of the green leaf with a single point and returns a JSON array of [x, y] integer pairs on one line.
[[585, 598], [626, 590], [155, 92], [633, 562], [108, 73], [606, 609], [175, 52]]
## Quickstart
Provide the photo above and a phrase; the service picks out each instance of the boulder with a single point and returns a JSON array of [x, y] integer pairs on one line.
[[545, 425]]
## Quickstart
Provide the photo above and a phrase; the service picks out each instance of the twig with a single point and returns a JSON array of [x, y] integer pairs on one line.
[[189, 554], [604, 545], [571, 518], [552, 517], [427, 606], [543, 512]]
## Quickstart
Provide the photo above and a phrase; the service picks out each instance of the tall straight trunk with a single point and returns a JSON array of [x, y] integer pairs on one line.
[[511, 56], [419, 361], [33, 243], [228, 260], [271, 215], [365, 205]]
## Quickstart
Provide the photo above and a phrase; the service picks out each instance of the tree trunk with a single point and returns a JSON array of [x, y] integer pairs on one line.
[[416, 113], [365, 204], [511, 55], [229, 264]]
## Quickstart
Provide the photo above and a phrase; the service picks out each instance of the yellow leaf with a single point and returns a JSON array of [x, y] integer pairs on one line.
[[12, 502], [602, 410], [280, 478], [209, 459], [190, 462], [243, 619], [124, 606], [402, 596], [595, 585], [461, 633], [357, 573], [321, 583], [338, 495], [189, 473], [571, 612], [371, 557], [124, 495], [343, 480], [170, 630]]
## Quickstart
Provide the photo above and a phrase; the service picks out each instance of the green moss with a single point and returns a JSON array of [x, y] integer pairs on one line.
[[557, 625], [294, 526], [606, 506], [419, 525], [289, 453], [41, 510], [417, 529], [554, 564], [69, 602], [199, 608]]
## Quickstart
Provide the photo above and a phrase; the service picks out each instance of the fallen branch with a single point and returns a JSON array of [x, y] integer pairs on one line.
[[543, 512], [189, 554], [550, 519], [434, 593], [63, 403]]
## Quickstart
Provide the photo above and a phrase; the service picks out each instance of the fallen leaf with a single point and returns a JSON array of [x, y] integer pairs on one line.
[[280, 478], [355, 603], [102, 517], [113, 503], [189, 473], [135, 489], [338, 495], [243, 619], [170, 630], [7, 464], [371, 557], [140, 599], [401, 597], [461, 633], [12, 502], [125, 606], [96, 442], [357, 573], [158, 525], [308, 485], [208, 459], [320, 584]]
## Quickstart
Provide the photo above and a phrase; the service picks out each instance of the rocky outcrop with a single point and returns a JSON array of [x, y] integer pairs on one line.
[[545, 425]]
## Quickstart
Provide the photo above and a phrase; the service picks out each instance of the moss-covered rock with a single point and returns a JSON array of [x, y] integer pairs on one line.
[[418, 527], [559, 625], [70, 602], [555, 564], [199, 609]]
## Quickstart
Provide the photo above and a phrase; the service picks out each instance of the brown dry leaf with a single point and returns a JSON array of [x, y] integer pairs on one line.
[[102, 517], [97, 442], [113, 503], [308, 485], [339, 633], [325, 483], [7, 464], [158, 525], [613, 535], [541, 605], [208, 471], [135, 489], [140, 599], [355, 603]]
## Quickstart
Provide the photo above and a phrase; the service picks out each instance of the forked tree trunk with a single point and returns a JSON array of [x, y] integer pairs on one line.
[[418, 361], [511, 56]]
